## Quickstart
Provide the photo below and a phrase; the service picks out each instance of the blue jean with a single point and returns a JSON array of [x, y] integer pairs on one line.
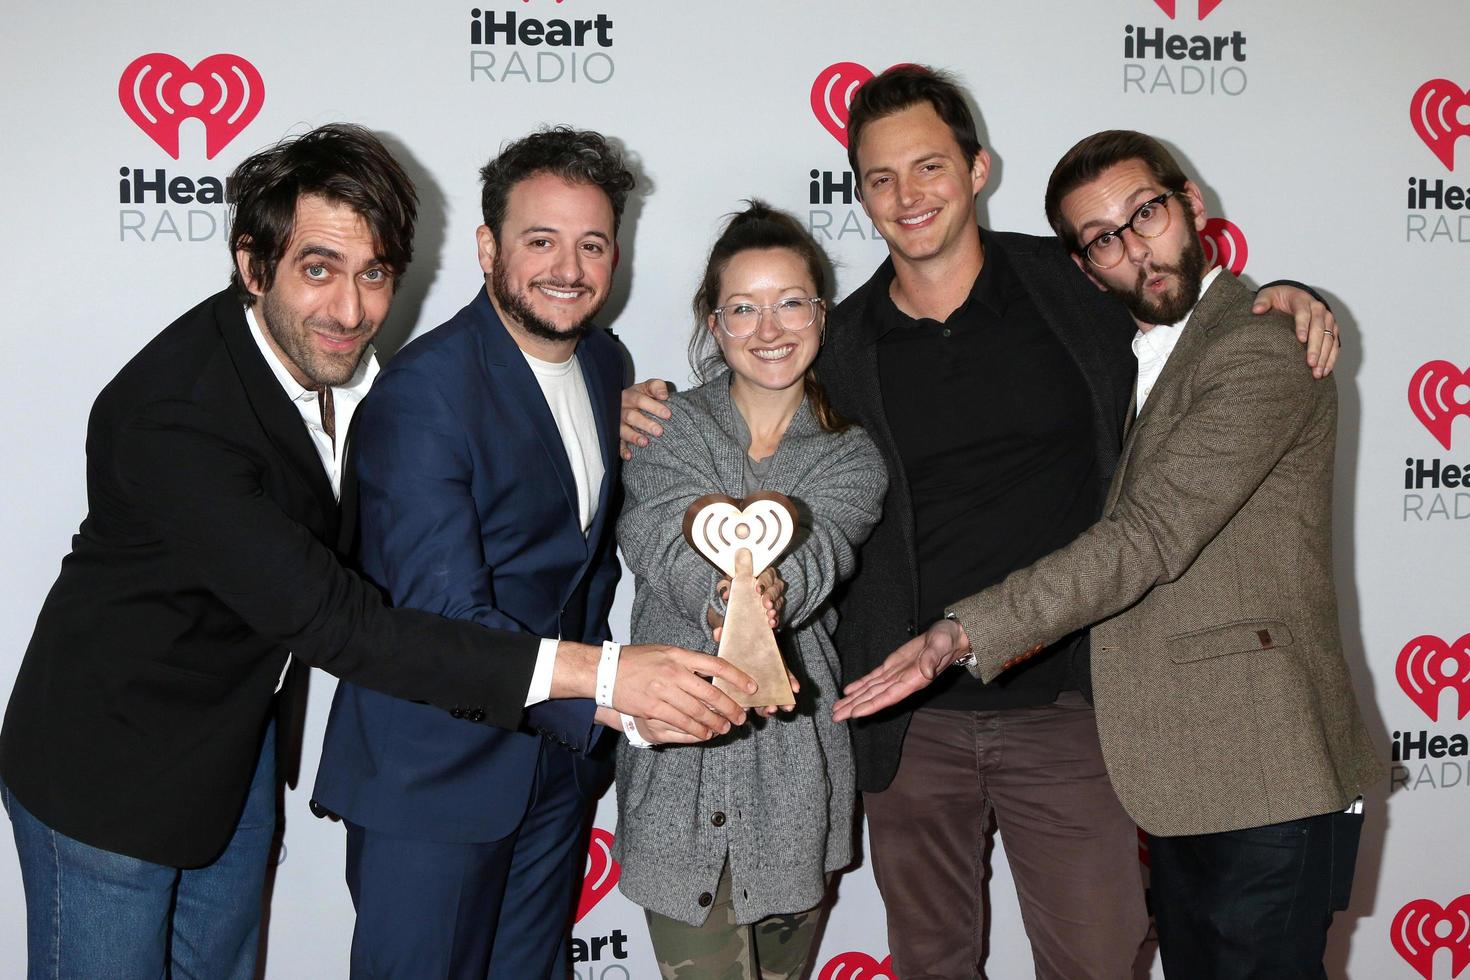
[[94, 913]]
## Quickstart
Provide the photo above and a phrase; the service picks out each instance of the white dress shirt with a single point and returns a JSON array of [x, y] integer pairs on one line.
[[1154, 347]]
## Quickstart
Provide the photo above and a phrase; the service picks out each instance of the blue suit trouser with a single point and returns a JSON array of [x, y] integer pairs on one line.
[[495, 910]]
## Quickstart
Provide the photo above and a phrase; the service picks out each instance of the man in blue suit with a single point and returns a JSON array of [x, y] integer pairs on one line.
[[487, 465]]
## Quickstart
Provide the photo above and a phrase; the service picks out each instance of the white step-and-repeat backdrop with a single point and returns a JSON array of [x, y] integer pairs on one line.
[[1326, 135]]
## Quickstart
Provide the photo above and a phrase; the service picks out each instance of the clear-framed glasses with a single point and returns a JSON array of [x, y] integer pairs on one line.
[[741, 320], [1150, 220]]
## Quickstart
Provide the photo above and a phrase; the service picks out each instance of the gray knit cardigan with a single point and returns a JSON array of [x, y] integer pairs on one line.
[[774, 797]]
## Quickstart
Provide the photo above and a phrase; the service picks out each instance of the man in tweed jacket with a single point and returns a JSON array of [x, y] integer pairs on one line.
[[1225, 710]]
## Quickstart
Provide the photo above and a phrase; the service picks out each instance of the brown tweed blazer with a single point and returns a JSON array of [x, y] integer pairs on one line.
[[1222, 698]]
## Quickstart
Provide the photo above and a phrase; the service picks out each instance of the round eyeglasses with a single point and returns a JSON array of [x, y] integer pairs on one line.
[[742, 320], [1150, 220]]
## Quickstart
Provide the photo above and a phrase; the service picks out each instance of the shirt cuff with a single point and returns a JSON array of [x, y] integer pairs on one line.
[[540, 689]]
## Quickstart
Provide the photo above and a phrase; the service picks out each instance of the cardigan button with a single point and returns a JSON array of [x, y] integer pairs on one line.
[[705, 898], [718, 819]]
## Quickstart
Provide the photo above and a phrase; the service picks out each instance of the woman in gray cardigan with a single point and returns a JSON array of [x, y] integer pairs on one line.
[[729, 845]]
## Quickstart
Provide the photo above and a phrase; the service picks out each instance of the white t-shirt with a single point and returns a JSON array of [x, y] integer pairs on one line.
[[566, 395]]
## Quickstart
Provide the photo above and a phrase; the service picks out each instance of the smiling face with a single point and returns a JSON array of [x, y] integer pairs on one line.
[[917, 186], [330, 294], [773, 358], [1158, 278], [550, 266]]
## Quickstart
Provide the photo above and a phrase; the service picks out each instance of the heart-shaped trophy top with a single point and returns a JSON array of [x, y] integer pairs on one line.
[[718, 526]]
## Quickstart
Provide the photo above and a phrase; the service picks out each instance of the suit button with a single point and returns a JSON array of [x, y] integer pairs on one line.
[[705, 899], [478, 715], [321, 812], [456, 712], [911, 629], [718, 819]]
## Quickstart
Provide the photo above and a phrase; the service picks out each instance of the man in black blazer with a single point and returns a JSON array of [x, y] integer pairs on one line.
[[137, 752]]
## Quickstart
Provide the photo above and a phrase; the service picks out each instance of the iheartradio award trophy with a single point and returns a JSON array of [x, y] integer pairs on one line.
[[742, 538]]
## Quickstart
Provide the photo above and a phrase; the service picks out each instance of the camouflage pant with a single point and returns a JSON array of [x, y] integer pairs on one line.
[[775, 948]]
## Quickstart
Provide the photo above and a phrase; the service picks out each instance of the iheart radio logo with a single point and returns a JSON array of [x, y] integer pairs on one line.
[[602, 872], [1224, 245], [1206, 7], [1439, 393], [1440, 111], [158, 92], [857, 966], [1427, 665], [1422, 927]]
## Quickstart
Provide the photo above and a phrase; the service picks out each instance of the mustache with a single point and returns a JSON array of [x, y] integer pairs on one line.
[[557, 284], [1144, 275], [336, 329]]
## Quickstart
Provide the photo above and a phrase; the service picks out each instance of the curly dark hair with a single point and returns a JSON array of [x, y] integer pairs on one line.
[[578, 156], [344, 163]]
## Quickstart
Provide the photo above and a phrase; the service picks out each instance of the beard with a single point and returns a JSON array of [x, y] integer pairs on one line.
[[322, 368], [1170, 307], [518, 308]]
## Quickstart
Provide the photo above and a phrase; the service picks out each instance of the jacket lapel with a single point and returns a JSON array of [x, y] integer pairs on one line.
[[867, 390], [601, 401], [507, 365], [1091, 344], [1190, 345], [277, 415]]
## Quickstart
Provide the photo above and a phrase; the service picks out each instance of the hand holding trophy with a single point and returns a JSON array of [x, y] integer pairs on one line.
[[743, 538]]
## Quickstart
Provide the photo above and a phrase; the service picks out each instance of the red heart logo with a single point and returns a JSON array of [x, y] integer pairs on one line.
[[832, 93], [1224, 245], [857, 966], [1422, 927], [226, 95], [602, 872], [1427, 665], [1437, 396], [1440, 111]]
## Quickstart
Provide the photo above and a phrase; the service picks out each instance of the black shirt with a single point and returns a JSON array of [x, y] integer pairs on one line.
[[994, 426]]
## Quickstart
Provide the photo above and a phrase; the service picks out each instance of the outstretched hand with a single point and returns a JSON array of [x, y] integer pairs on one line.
[[912, 667], [668, 685]]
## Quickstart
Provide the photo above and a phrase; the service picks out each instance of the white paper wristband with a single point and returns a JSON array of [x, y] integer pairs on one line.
[[635, 737], [607, 673]]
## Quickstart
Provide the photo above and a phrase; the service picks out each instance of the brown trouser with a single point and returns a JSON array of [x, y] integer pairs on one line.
[[1072, 850]]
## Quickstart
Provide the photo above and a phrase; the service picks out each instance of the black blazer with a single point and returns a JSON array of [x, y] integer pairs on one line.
[[206, 555], [878, 609]]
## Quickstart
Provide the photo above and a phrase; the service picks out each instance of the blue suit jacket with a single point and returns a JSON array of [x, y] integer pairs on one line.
[[468, 509]]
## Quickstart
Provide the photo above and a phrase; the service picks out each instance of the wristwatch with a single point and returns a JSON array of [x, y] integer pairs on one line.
[[968, 659]]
